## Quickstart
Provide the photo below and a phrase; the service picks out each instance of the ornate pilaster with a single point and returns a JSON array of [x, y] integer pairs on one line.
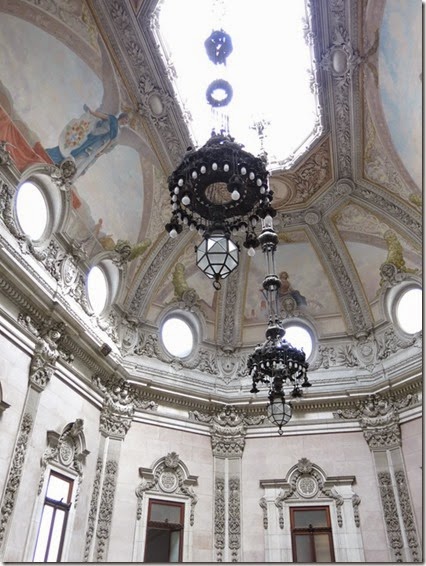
[[48, 336], [114, 422], [378, 416], [14, 477], [228, 429]]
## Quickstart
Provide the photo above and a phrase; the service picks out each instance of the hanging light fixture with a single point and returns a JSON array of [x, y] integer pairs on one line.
[[276, 362], [220, 190]]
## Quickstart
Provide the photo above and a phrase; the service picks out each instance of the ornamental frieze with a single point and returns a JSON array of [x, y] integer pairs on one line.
[[378, 416], [228, 428]]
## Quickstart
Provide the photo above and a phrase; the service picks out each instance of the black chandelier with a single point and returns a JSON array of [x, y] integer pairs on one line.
[[221, 190], [276, 362]]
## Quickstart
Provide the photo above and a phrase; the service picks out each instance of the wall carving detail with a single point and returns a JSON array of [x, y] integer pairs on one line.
[[48, 349], [228, 428], [379, 418], [407, 515], [67, 450], [390, 514], [120, 401], [90, 530], [234, 518], [106, 508], [219, 518], [307, 481], [15, 473], [168, 475]]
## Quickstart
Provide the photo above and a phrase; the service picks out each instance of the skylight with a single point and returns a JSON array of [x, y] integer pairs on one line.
[[268, 71]]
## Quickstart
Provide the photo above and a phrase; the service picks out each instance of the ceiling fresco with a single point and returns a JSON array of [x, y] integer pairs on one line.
[[351, 204]]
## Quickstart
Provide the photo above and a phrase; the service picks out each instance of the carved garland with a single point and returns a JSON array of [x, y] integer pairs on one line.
[[106, 507], [219, 518], [234, 518], [391, 514], [15, 473], [407, 515], [90, 531]]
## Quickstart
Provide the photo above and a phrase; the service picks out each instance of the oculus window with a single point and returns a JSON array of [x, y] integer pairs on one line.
[[299, 337], [97, 289], [409, 310], [267, 44], [31, 210], [177, 337]]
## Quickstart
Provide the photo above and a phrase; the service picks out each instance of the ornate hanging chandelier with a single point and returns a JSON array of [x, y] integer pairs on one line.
[[219, 190], [276, 362]]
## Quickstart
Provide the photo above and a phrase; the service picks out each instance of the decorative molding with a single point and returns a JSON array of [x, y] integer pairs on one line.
[[234, 518], [15, 473], [264, 505], [379, 418], [219, 518], [49, 338], [91, 521], [228, 428], [67, 450], [407, 515], [117, 408], [391, 514], [168, 475], [307, 481], [106, 508]]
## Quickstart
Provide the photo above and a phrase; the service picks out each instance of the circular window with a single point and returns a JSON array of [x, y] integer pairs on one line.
[[31, 210], [409, 310], [177, 337], [97, 289], [299, 337]]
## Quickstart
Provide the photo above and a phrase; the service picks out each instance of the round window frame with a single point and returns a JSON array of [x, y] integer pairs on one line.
[[309, 328], [50, 212], [194, 324], [393, 301], [112, 280]]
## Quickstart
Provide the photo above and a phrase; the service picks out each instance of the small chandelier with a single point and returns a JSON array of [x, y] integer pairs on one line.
[[276, 362], [219, 190]]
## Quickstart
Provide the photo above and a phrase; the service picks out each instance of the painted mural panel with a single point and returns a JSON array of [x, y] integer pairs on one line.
[[55, 106], [371, 242], [302, 278], [400, 71]]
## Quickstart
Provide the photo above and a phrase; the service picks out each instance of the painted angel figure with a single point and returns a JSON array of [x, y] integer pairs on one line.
[[97, 132], [88, 137]]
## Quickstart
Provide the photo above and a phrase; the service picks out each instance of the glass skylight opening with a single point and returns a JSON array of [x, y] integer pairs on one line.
[[267, 69], [409, 310], [97, 289], [177, 337], [31, 210], [299, 337]]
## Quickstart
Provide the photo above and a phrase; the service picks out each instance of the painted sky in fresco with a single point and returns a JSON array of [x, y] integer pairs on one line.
[[60, 84], [400, 68]]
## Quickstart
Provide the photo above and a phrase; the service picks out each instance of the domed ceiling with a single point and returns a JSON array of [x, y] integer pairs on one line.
[[349, 205]]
